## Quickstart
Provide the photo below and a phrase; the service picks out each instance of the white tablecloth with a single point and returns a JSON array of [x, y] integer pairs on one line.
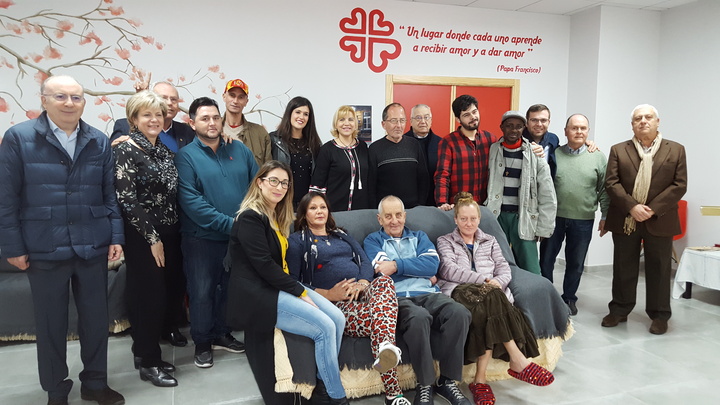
[[698, 267]]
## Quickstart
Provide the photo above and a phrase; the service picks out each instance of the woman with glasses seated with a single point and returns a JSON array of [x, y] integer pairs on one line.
[[474, 272], [262, 295], [329, 261], [342, 168]]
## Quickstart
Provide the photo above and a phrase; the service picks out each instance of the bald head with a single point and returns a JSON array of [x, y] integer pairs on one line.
[[391, 215], [63, 98]]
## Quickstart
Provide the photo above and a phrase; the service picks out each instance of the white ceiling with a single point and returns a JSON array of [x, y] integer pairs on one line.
[[561, 7]]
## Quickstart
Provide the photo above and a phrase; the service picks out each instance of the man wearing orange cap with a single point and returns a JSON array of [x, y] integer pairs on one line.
[[254, 136]]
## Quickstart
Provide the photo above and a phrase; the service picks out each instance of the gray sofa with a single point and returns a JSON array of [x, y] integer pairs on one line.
[[534, 295], [17, 321]]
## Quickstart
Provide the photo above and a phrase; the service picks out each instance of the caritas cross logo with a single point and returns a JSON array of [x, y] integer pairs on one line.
[[368, 38]]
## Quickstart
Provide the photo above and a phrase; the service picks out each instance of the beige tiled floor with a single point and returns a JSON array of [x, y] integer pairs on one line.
[[624, 365]]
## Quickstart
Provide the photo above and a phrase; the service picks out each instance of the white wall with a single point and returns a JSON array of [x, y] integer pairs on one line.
[[281, 46], [689, 91]]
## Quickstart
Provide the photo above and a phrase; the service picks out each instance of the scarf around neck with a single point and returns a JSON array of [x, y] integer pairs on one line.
[[643, 178]]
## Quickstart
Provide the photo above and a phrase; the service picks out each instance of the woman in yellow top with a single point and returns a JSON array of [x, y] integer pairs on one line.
[[263, 296]]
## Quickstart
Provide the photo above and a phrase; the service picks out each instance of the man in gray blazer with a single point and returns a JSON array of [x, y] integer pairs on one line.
[[645, 179]]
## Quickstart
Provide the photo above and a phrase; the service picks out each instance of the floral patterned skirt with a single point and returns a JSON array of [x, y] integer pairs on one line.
[[494, 321]]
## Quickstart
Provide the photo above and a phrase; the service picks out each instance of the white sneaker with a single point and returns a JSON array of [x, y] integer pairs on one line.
[[388, 357]]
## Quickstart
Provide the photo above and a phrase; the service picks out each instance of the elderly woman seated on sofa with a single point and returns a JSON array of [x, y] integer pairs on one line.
[[326, 259], [474, 272]]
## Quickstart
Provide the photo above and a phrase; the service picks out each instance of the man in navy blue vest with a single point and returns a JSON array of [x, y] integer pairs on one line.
[[60, 222]]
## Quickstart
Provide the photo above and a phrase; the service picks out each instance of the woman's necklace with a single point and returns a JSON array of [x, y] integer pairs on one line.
[[342, 142], [317, 238]]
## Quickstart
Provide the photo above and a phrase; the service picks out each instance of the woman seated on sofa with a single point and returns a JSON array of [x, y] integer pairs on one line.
[[332, 263], [474, 273], [262, 295]]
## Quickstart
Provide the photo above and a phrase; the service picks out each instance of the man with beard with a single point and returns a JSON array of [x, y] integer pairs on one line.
[[522, 195], [213, 177], [463, 156]]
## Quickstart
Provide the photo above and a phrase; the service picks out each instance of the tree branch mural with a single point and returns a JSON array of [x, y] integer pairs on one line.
[[98, 46]]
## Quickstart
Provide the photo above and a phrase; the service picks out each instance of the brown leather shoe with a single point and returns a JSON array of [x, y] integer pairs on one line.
[[612, 320], [659, 326]]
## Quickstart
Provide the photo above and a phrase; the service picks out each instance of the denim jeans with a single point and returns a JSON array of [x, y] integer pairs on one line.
[[579, 234], [324, 325], [207, 283]]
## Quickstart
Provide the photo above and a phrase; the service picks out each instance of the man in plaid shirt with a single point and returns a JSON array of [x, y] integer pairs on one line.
[[463, 156]]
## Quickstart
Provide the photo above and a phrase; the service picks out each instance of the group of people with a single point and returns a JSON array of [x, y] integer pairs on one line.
[[169, 193]]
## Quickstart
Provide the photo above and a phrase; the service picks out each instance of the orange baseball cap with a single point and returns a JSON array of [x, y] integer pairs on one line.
[[236, 83]]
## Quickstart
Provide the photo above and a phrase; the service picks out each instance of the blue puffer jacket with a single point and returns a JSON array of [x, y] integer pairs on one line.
[[53, 207]]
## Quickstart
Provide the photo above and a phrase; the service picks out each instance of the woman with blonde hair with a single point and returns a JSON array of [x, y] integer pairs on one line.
[[474, 272], [262, 295], [341, 169], [146, 185]]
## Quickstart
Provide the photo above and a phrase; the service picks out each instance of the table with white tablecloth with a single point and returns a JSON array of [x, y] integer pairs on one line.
[[697, 266]]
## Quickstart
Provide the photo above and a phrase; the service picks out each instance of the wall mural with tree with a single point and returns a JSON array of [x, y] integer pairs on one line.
[[97, 43]]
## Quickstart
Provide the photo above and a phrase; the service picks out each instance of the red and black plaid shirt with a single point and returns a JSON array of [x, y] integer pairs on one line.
[[462, 166]]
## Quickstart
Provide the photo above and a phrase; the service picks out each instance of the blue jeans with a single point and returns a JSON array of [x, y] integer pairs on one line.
[[579, 234], [207, 283], [324, 325]]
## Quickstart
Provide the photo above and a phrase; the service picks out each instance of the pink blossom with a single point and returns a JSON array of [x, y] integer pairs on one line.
[[169, 80], [59, 34], [123, 53], [14, 28], [102, 13], [52, 53], [221, 76], [213, 90], [159, 46], [64, 25], [108, 1], [258, 96], [40, 77], [104, 117], [134, 22], [136, 46], [3, 105], [181, 78], [185, 118], [149, 40], [32, 114], [116, 10], [35, 57], [6, 3], [91, 36], [214, 68], [115, 81], [120, 104], [98, 101], [26, 25]]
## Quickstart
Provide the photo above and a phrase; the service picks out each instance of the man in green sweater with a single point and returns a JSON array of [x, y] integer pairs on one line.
[[580, 187]]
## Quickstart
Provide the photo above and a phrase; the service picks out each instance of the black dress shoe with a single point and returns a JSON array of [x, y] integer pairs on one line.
[[175, 338], [105, 396], [164, 365], [57, 401], [157, 377]]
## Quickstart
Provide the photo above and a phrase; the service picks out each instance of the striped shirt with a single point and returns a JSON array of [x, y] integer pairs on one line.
[[511, 176]]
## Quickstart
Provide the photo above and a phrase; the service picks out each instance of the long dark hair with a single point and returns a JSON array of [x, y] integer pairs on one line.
[[301, 215], [310, 138]]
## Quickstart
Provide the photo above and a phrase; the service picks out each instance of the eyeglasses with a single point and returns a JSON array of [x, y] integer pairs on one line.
[[274, 181], [60, 97], [395, 121], [426, 117], [539, 120], [173, 100]]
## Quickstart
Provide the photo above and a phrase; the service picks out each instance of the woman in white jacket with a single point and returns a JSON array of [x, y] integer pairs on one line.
[[474, 273]]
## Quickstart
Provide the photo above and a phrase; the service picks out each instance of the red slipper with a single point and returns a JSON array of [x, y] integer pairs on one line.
[[482, 394], [534, 374]]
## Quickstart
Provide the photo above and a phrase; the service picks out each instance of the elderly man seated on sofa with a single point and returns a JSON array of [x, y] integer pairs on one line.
[[409, 257]]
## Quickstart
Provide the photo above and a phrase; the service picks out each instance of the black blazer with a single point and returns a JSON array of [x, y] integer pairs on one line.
[[183, 133], [256, 277], [256, 274]]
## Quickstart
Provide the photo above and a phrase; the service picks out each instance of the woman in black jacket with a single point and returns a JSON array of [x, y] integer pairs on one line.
[[296, 142], [263, 296]]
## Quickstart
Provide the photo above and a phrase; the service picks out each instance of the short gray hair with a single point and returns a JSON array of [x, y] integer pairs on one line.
[[632, 115], [412, 110], [390, 197]]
